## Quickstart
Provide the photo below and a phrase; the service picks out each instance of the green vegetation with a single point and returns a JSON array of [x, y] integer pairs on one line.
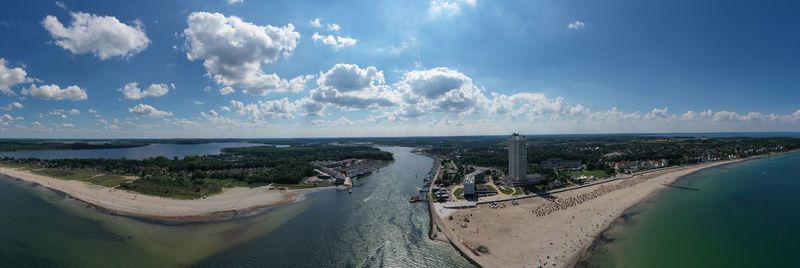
[[178, 188], [459, 193], [518, 190], [107, 180], [199, 176], [507, 190], [595, 173], [19, 145]]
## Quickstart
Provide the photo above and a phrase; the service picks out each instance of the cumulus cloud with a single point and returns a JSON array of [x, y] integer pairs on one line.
[[576, 25], [233, 2], [333, 27], [7, 119], [341, 122], [531, 105], [233, 50], [131, 91], [149, 111], [349, 86], [264, 110], [103, 36], [658, 113], [226, 91], [63, 113], [12, 106], [316, 22], [10, 77], [444, 8], [56, 93], [440, 90], [336, 42], [273, 83]]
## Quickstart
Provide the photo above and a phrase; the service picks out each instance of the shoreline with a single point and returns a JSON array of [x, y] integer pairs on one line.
[[557, 225], [232, 203]]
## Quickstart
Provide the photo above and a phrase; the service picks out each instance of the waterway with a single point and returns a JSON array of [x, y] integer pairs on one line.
[[744, 215], [374, 226]]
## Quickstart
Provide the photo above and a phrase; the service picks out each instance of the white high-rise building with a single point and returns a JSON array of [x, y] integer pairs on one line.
[[517, 157]]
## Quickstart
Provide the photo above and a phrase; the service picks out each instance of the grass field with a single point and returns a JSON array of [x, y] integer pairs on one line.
[[107, 180], [595, 173], [459, 192], [507, 190]]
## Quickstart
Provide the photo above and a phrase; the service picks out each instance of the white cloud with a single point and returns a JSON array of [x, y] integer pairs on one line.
[[658, 113], [103, 36], [92, 111], [226, 91], [7, 119], [233, 2], [334, 27], [576, 25], [444, 8], [336, 42], [316, 22], [149, 111], [440, 90], [63, 113], [55, 93], [233, 50], [273, 83], [692, 115], [341, 122], [12, 106], [263, 110], [348, 86], [531, 105], [10, 77], [64, 125], [131, 91]]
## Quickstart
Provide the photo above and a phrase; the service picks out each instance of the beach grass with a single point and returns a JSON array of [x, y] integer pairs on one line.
[[64, 174], [107, 180]]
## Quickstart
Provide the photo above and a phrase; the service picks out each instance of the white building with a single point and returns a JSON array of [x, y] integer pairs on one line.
[[517, 157]]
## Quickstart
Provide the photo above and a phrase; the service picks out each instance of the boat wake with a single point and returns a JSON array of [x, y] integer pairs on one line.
[[377, 257]]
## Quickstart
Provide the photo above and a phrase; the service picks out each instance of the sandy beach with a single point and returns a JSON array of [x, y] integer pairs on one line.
[[230, 204], [551, 233]]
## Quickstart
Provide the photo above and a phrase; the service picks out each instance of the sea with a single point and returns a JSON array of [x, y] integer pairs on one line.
[[744, 214], [374, 226]]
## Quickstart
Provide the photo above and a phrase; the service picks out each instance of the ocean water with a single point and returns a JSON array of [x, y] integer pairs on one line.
[[744, 215], [374, 226]]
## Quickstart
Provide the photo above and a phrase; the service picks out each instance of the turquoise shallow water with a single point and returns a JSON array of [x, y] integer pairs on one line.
[[744, 215]]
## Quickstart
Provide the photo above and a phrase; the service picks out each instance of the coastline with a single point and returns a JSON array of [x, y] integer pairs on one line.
[[231, 204], [576, 227]]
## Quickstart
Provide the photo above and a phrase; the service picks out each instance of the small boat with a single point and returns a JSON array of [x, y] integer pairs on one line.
[[413, 199]]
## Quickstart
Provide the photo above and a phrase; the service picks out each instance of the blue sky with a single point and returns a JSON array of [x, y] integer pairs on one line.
[[220, 68]]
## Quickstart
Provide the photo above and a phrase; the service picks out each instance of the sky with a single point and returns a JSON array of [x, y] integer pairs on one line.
[[278, 69]]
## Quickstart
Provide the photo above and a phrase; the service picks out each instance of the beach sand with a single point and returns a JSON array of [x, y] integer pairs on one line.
[[539, 232], [231, 203]]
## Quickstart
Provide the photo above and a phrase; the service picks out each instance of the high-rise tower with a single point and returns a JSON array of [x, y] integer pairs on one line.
[[517, 157]]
